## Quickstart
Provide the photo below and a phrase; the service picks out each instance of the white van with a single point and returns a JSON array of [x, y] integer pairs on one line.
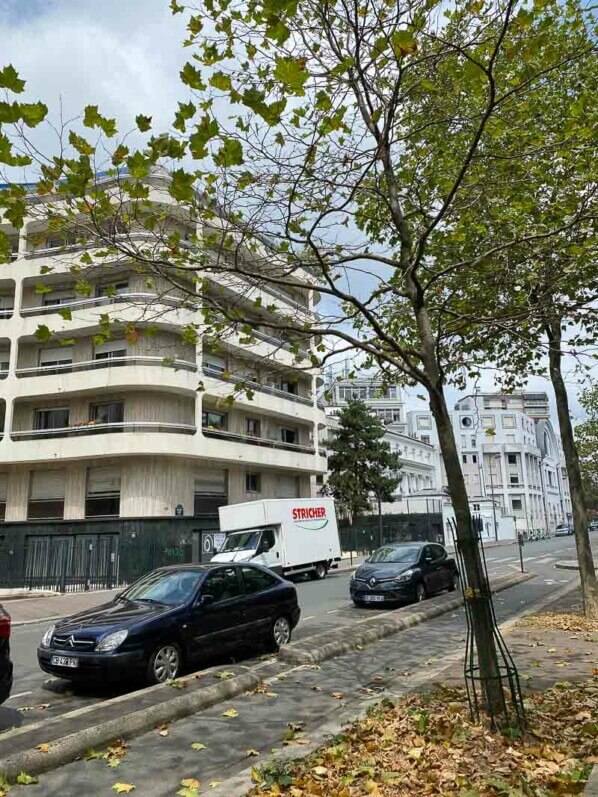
[[288, 535]]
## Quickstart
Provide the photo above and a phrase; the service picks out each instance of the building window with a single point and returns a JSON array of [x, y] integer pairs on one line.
[[56, 356], [110, 350], [46, 495], [512, 459], [487, 421], [253, 427], [287, 487], [214, 420], [517, 504], [424, 422], [466, 422], [289, 436], [58, 297], [514, 478], [110, 412], [509, 422], [287, 387], [113, 289], [320, 479], [210, 490], [464, 458], [253, 482], [3, 494], [425, 439], [474, 442], [474, 459], [102, 495], [55, 418], [214, 363]]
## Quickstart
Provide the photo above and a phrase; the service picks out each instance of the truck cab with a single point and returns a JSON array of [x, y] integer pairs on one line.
[[260, 546]]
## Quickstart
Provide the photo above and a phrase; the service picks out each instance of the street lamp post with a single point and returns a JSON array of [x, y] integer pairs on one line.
[[493, 503]]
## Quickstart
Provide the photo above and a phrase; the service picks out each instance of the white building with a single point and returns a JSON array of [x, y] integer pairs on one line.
[[419, 458], [94, 426], [515, 456]]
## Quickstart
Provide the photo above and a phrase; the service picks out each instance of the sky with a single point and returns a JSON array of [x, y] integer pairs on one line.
[[125, 57]]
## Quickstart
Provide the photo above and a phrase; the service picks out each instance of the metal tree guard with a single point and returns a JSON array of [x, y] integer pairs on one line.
[[475, 683]]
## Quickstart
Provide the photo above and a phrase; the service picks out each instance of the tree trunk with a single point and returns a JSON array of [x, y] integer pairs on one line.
[[483, 624], [587, 571], [380, 529]]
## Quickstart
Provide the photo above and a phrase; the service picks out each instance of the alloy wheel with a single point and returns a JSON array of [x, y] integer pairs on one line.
[[281, 631], [166, 663], [420, 593]]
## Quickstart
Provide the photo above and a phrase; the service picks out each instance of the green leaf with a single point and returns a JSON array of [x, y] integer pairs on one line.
[[33, 113], [9, 79], [93, 118], [66, 313], [138, 165], [221, 81], [403, 42], [198, 746], [230, 153], [143, 122], [80, 144], [43, 334], [192, 77], [291, 72], [41, 288], [182, 186], [204, 131], [23, 779]]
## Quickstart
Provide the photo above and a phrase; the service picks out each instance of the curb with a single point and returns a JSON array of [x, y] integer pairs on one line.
[[567, 564], [67, 748], [323, 647]]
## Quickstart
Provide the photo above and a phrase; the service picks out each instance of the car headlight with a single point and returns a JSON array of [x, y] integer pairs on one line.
[[406, 576], [112, 641], [47, 637]]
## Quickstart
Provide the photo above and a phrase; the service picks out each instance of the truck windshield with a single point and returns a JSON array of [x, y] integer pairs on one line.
[[242, 541]]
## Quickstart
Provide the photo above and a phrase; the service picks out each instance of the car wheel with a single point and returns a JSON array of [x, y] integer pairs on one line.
[[455, 583], [164, 664], [420, 592], [280, 632], [320, 571], [358, 603]]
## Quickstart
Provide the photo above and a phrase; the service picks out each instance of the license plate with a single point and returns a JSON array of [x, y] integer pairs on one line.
[[64, 661], [373, 598]]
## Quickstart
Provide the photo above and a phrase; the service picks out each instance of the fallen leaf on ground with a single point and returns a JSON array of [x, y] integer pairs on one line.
[[251, 753], [43, 748], [23, 779], [198, 746], [123, 788], [271, 694], [230, 712], [190, 783], [214, 784], [224, 675], [337, 695]]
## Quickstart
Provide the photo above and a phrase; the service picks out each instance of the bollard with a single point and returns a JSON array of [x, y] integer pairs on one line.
[[521, 542]]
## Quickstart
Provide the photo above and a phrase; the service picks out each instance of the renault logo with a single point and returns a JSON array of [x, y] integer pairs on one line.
[[372, 582]]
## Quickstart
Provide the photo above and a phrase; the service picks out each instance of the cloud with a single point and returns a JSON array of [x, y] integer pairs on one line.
[[122, 55]]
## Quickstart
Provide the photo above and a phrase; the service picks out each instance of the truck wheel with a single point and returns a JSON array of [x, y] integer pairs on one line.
[[280, 632], [320, 570]]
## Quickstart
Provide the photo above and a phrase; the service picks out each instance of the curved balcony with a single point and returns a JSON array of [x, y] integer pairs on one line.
[[108, 362], [210, 431], [103, 301], [91, 427], [232, 379]]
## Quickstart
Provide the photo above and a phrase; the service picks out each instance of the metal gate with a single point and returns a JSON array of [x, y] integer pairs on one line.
[[71, 563]]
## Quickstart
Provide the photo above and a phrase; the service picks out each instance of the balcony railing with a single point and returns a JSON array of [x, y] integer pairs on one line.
[[216, 373], [108, 362], [210, 431], [6, 312], [90, 427], [102, 301], [282, 344]]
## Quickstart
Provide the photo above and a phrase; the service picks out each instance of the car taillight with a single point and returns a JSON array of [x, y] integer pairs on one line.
[[4, 625]]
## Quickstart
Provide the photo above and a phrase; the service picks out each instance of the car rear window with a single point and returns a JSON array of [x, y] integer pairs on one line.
[[257, 580]]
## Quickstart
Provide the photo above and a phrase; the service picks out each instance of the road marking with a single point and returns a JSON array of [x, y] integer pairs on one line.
[[505, 559], [333, 611], [311, 617], [20, 694]]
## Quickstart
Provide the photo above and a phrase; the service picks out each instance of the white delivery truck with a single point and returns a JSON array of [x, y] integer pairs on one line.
[[288, 535]]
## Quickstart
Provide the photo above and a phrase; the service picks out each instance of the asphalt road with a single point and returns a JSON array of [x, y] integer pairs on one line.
[[324, 604]]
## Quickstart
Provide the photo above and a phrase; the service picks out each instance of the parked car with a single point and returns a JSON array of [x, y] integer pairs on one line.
[[170, 618], [563, 530], [404, 572], [5, 662], [593, 525]]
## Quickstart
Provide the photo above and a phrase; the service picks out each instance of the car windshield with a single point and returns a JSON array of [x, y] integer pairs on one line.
[[241, 541], [168, 588], [390, 553]]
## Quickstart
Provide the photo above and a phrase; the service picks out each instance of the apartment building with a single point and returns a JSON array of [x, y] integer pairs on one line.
[[419, 457], [135, 423]]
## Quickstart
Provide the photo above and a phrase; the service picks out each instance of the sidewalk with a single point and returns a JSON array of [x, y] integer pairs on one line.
[[35, 610], [292, 710]]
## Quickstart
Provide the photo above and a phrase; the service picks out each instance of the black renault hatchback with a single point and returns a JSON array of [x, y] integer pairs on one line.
[[171, 617], [403, 572]]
